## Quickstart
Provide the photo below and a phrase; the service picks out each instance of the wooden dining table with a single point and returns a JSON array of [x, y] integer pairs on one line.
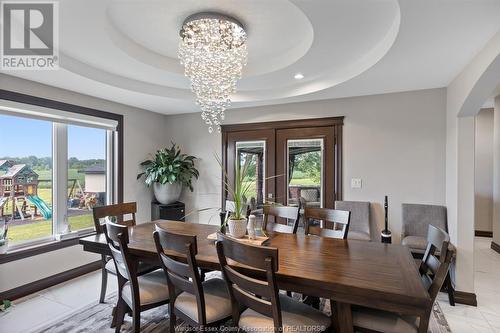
[[350, 272]]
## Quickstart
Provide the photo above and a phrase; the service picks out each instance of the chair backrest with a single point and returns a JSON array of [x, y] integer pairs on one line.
[[435, 265], [335, 223], [117, 238], [260, 294], [416, 218], [360, 215], [288, 214], [180, 269], [118, 210]]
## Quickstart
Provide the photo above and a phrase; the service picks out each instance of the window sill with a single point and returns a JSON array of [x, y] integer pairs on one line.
[[34, 250]]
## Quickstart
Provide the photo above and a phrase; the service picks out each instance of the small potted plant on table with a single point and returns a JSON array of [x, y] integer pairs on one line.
[[169, 171], [237, 221]]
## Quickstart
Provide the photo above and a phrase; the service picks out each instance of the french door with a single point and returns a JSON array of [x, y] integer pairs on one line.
[[290, 162]]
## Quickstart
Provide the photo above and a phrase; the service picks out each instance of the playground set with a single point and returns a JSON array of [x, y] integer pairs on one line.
[[19, 185]]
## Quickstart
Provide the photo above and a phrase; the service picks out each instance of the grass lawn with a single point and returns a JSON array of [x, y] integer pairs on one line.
[[39, 229]]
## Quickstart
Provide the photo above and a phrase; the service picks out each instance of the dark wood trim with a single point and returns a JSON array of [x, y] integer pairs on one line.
[[38, 249], [466, 298], [284, 124], [482, 233], [52, 104], [495, 247], [49, 281]]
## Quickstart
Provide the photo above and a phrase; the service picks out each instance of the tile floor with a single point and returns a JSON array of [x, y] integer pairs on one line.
[[486, 316], [34, 312], [37, 311]]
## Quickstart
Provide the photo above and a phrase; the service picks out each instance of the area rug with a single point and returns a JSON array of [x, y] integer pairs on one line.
[[96, 318]]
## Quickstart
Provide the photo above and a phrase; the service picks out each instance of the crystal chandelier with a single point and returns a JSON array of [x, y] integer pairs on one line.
[[213, 51]]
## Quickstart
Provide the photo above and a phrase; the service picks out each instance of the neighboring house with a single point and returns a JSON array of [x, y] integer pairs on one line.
[[95, 179]]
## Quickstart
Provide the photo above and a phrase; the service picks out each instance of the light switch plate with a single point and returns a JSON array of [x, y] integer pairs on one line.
[[356, 183]]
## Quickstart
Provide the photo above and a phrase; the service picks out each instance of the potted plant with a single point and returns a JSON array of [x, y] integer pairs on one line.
[[237, 222], [169, 171], [4, 241]]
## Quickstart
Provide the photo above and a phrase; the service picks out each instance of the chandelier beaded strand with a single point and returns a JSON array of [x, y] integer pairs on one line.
[[213, 51]]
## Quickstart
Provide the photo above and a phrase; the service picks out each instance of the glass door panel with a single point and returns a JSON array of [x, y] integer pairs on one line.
[[252, 153], [305, 172], [258, 149], [305, 166]]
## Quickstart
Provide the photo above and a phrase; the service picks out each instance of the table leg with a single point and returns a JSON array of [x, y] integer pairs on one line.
[[344, 318]]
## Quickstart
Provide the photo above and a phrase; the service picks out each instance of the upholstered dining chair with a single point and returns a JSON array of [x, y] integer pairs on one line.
[[416, 219], [290, 214], [359, 225], [268, 310], [135, 293], [433, 271], [100, 213], [199, 304], [334, 223]]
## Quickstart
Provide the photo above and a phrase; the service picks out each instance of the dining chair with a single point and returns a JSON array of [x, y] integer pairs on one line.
[[334, 223], [267, 309], [433, 270], [135, 293], [100, 213], [359, 223], [416, 218], [199, 304], [289, 213]]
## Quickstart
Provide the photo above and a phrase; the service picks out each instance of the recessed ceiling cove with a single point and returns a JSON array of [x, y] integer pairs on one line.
[[133, 45]]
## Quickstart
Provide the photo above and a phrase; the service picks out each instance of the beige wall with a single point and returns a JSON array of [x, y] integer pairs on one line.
[[144, 132], [484, 171], [394, 142]]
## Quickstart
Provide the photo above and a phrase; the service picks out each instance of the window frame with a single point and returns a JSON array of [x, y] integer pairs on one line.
[[114, 141]]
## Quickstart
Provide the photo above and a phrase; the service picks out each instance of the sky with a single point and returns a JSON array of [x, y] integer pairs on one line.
[[20, 137]]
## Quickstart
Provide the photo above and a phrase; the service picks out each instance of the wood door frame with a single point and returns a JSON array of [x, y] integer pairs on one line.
[[335, 122]]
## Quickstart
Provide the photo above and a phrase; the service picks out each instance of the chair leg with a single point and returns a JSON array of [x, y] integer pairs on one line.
[[136, 320], [172, 318], [424, 323], [104, 284], [121, 308], [450, 290]]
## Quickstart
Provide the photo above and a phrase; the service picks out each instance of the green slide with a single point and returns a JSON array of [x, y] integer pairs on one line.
[[41, 205]]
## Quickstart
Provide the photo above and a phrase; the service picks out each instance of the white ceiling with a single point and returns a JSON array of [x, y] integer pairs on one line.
[[126, 51]]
